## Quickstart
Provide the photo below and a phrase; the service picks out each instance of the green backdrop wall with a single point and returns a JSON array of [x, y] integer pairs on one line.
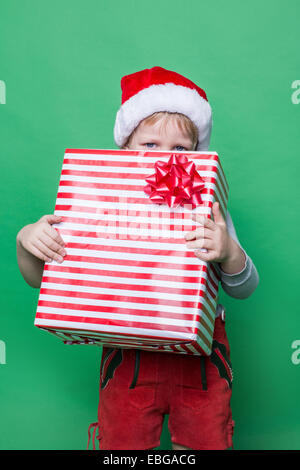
[[60, 68]]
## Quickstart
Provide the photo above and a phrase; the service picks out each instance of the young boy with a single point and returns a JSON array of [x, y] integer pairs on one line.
[[162, 110]]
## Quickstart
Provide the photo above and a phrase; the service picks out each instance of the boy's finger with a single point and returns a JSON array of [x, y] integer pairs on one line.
[[52, 244], [199, 232], [200, 243], [206, 257], [51, 218], [44, 248], [203, 232], [38, 253], [205, 221], [54, 234]]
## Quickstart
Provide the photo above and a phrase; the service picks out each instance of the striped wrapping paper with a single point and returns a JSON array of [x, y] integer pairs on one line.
[[128, 279]]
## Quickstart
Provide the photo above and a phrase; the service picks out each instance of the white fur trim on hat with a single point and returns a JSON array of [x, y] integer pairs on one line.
[[166, 97]]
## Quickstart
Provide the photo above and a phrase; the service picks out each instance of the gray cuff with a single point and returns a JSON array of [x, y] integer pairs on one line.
[[239, 278]]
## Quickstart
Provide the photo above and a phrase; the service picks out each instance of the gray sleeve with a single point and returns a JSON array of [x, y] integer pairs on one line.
[[242, 284]]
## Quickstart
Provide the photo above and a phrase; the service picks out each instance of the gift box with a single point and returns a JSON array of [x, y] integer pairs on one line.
[[128, 279]]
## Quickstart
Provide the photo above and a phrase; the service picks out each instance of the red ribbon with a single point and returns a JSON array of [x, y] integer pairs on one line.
[[174, 183]]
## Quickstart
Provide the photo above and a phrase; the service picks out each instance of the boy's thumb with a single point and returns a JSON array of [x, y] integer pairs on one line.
[[54, 218], [218, 218], [51, 218]]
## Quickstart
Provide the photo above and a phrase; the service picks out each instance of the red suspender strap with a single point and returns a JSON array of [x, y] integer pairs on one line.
[[89, 434]]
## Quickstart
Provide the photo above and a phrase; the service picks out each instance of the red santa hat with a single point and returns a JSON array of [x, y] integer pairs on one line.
[[157, 89]]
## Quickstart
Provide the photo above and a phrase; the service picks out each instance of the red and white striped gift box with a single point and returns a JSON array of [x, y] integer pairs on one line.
[[128, 279]]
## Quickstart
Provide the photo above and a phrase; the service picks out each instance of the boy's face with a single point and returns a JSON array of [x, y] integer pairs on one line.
[[160, 137]]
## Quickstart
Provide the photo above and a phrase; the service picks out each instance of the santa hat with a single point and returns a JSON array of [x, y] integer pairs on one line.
[[157, 89]]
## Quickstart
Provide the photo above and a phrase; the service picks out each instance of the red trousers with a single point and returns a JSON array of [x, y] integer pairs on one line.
[[137, 388]]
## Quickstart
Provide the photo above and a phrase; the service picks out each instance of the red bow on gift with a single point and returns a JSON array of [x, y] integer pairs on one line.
[[174, 183]]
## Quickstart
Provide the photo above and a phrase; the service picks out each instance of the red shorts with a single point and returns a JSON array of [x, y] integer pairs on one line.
[[137, 388]]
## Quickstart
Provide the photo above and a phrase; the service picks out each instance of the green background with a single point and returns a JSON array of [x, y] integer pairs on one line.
[[62, 62]]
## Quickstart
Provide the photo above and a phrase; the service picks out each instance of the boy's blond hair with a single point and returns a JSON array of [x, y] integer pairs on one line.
[[184, 123]]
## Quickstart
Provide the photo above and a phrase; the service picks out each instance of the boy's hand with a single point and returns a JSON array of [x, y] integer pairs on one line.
[[213, 236], [42, 240]]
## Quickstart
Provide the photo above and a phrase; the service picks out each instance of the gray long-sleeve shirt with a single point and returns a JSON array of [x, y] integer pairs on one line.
[[239, 285]]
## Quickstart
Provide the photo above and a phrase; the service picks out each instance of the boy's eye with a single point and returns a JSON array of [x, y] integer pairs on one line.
[[149, 145], [180, 148]]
